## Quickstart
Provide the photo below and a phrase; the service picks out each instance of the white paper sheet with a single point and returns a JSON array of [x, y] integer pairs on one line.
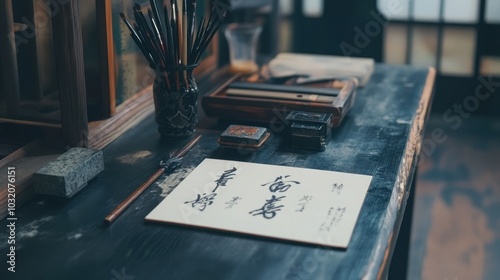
[[297, 204]]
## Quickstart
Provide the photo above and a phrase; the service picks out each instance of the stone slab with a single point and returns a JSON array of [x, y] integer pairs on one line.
[[69, 173]]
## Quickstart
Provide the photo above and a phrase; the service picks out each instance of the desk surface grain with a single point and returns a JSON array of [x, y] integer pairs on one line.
[[381, 136]]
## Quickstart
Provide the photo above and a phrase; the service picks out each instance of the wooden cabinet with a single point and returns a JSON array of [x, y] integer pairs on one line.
[[64, 108]]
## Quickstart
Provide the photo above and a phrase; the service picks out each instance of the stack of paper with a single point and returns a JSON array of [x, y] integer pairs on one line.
[[312, 68]]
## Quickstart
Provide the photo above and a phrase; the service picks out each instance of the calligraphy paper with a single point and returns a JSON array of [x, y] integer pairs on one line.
[[296, 204]]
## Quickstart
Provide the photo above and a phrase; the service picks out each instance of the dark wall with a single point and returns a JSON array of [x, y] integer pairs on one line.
[[347, 28]]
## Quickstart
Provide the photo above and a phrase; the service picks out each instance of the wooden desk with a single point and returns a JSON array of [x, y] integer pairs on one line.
[[381, 136]]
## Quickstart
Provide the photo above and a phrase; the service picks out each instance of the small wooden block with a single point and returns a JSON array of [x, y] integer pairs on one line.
[[68, 173], [243, 137], [251, 135]]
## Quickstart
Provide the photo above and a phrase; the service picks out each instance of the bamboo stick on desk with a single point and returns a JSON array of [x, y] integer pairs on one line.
[[122, 206]]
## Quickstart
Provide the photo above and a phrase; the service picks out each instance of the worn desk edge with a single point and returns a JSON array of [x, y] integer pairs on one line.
[[407, 168]]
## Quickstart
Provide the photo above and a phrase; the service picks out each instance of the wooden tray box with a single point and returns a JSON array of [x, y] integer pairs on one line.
[[219, 105]]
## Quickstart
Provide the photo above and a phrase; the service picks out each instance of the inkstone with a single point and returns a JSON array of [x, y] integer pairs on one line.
[[68, 173]]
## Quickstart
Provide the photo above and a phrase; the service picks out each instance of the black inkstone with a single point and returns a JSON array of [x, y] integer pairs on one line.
[[309, 130]]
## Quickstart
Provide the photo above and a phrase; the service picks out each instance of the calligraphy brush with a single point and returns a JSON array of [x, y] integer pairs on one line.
[[160, 49], [156, 33], [138, 41], [197, 40], [170, 38], [211, 30], [192, 16], [204, 28], [180, 34], [185, 38], [144, 30], [173, 162], [156, 14], [175, 36], [176, 27], [162, 35], [149, 31], [159, 42], [145, 44]]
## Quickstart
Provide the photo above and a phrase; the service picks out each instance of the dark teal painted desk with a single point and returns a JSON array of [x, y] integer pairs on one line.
[[381, 136]]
